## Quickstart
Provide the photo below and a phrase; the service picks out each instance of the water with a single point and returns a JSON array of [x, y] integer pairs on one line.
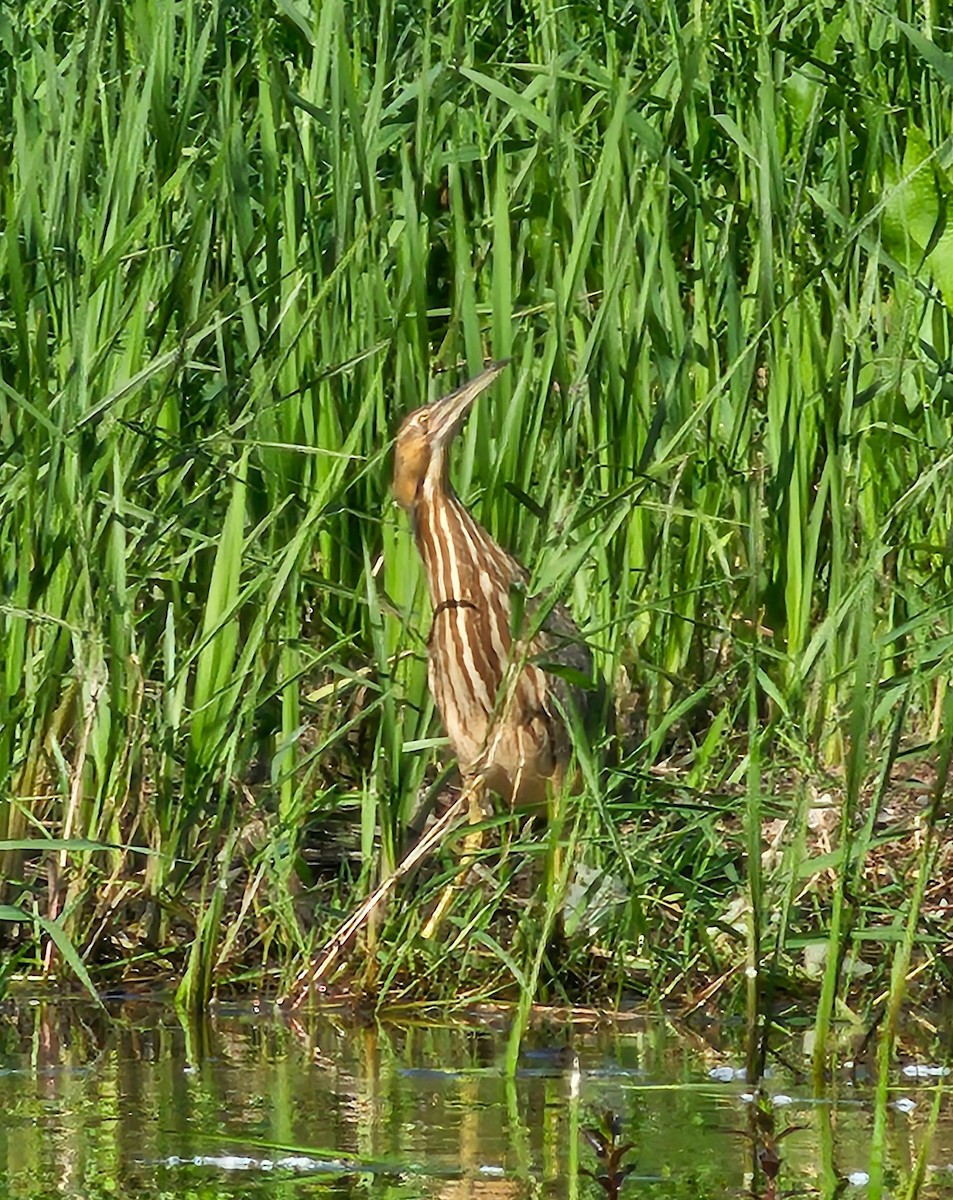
[[141, 1104]]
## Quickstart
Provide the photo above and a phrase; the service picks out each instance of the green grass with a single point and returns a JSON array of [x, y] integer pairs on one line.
[[240, 240]]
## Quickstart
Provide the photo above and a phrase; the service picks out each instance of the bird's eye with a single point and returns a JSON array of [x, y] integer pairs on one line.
[[424, 420]]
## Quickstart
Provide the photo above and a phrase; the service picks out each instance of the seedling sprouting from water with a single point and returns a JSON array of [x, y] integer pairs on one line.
[[765, 1137], [604, 1140]]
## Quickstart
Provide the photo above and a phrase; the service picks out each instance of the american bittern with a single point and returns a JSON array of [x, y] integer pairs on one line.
[[513, 737], [502, 708]]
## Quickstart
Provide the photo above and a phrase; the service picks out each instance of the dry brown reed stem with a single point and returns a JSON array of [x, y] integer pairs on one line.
[[320, 968]]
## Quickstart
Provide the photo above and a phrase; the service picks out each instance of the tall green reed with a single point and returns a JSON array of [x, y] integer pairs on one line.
[[237, 243]]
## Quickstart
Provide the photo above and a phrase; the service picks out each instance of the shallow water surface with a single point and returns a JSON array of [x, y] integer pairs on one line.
[[248, 1103]]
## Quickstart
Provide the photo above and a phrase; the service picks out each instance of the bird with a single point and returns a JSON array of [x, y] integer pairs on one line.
[[505, 673], [503, 677]]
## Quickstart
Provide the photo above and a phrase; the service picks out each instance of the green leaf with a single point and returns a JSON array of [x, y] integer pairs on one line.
[[57, 935], [75, 844], [912, 200]]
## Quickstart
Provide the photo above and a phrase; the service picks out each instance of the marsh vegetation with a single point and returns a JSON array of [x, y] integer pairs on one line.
[[240, 240]]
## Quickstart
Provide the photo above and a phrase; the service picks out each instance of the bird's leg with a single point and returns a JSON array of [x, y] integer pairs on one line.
[[473, 842], [478, 810], [556, 809], [478, 804]]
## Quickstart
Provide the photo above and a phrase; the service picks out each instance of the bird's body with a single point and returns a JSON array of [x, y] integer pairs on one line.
[[502, 710]]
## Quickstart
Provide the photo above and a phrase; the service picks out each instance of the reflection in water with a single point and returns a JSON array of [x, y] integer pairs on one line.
[[137, 1103]]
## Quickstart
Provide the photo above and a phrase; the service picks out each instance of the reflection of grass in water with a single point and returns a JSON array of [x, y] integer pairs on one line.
[[420, 1100], [716, 249]]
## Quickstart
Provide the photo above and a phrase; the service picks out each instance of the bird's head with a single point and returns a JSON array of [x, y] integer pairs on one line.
[[426, 433]]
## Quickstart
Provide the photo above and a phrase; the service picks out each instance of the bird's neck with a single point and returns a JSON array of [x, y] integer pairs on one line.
[[440, 526], [456, 551]]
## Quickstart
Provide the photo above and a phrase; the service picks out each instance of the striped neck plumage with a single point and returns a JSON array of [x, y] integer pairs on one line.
[[439, 525], [462, 562]]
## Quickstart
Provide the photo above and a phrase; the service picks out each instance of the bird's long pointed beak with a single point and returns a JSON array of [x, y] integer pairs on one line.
[[449, 411]]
